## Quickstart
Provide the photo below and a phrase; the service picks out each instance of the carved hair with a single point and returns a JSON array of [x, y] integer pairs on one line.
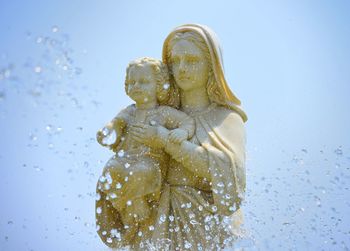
[[165, 91], [212, 87]]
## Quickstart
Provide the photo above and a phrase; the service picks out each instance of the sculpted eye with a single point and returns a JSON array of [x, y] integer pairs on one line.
[[192, 60], [175, 61], [131, 83]]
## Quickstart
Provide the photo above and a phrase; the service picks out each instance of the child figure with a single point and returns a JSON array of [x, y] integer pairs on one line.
[[132, 179]]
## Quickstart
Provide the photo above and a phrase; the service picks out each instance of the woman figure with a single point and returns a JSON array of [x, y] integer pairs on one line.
[[205, 180]]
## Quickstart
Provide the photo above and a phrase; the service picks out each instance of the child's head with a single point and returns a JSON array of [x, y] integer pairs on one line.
[[147, 79]]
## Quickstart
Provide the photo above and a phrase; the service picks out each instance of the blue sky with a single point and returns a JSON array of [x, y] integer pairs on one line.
[[62, 67]]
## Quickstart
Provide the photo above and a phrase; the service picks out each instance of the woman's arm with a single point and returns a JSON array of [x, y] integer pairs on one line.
[[175, 119], [191, 156]]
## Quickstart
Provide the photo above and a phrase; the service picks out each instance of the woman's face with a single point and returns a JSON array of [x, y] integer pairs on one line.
[[189, 65]]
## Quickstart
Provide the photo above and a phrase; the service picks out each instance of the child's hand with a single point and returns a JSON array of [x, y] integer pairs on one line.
[[106, 135], [177, 136]]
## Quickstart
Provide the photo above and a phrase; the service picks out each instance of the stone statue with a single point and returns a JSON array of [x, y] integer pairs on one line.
[[178, 177]]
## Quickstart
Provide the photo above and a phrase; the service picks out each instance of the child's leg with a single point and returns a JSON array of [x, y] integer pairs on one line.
[[141, 209], [136, 211], [112, 183]]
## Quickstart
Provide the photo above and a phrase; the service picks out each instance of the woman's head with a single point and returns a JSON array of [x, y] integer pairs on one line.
[[194, 59], [189, 60]]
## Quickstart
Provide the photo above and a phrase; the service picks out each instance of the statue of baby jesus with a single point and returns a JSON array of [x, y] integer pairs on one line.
[[132, 178]]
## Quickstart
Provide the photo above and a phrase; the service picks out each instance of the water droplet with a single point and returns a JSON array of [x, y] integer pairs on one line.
[[78, 70], [233, 208], [121, 153], [118, 186], [38, 169], [48, 128], [162, 218], [39, 40], [107, 186], [37, 69], [99, 210], [188, 245], [338, 151], [129, 203], [166, 86], [193, 222], [103, 178], [54, 29], [109, 178], [110, 138], [105, 131], [33, 137], [115, 233], [7, 73], [98, 196], [2, 96], [220, 184]]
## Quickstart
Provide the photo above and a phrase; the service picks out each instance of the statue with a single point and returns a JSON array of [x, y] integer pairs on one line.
[[177, 179]]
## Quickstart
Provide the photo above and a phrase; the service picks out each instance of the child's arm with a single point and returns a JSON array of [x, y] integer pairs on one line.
[[183, 125], [105, 134], [117, 126]]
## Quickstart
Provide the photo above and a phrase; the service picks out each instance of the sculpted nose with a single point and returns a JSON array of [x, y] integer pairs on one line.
[[182, 67]]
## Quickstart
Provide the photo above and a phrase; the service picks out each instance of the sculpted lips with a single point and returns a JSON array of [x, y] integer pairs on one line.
[[183, 77], [137, 91]]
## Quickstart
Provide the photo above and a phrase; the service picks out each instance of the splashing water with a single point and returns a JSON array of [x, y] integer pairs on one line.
[[110, 138]]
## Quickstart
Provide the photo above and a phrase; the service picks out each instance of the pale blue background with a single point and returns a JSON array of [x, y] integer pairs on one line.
[[288, 61]]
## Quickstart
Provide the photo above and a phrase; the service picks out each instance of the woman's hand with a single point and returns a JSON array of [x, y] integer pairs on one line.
[[146, 134], [178, 135]]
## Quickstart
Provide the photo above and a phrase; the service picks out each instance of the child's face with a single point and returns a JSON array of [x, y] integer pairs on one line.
[[142, 84]]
